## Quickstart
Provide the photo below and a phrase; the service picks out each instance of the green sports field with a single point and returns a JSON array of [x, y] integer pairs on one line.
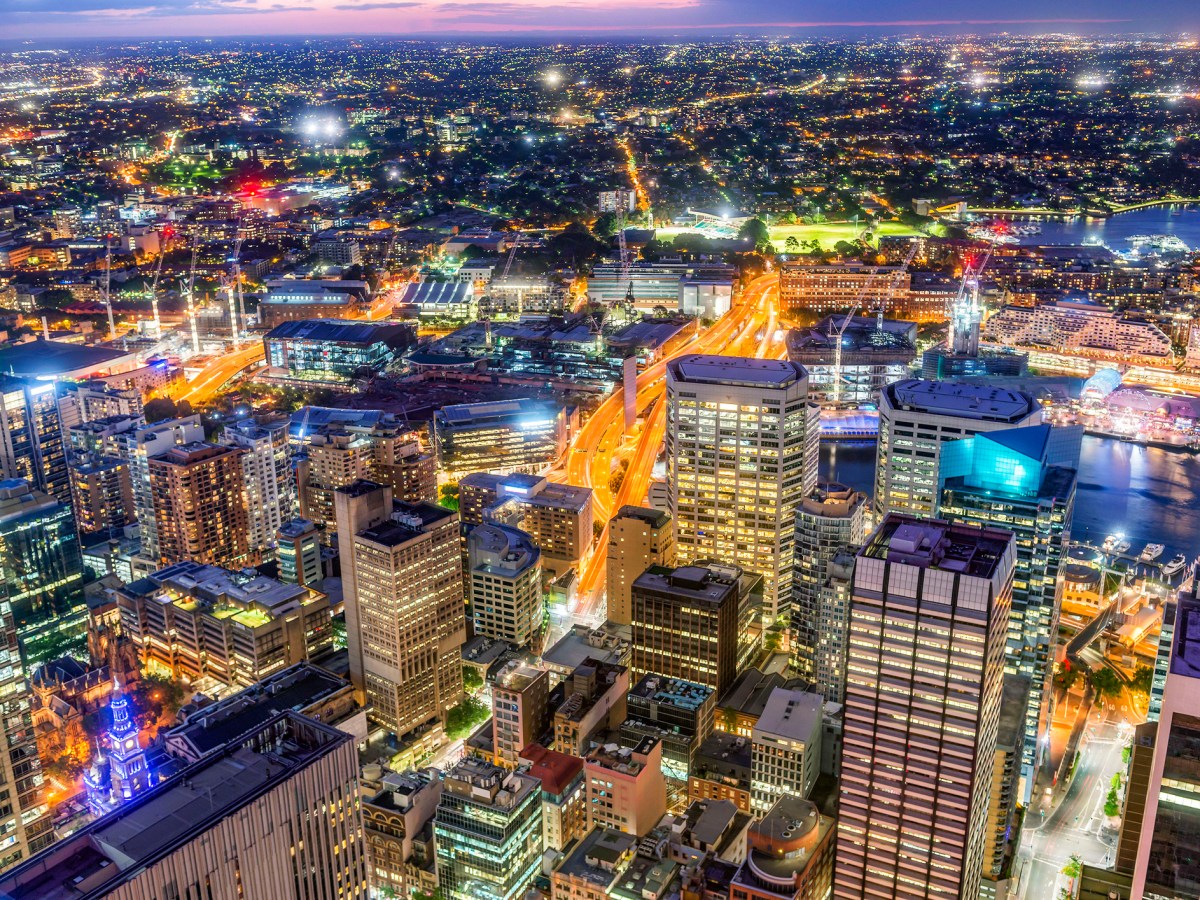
[[827, 234]]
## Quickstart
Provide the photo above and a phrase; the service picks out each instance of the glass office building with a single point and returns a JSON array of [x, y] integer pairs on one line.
[[334, 351]]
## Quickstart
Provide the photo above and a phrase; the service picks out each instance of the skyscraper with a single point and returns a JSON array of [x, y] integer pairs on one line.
[[1009, 479], [1170, 835], [32, 436], [928, 621], [742, 442], [638, 538], [199, 497], [827, 520], [268, 481], [403, 588], [142, 445], [505, 573], [917, 417]]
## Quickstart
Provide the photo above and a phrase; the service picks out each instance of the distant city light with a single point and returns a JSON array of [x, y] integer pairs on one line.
[[552, 78]]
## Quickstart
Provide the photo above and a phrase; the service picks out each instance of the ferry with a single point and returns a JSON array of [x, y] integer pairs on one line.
[[1152, 552], [1174, 566]]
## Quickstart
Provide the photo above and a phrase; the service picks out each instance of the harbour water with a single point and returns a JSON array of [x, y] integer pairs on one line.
[[1151, 495], [1115, 231]]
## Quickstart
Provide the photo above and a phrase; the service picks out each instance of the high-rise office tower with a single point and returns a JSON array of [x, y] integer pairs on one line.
[[41, 570], [269, 484], [505, 574], [1022, 480], [488, 829], [298, 550], [199, 498], [402, 582], [697, 623], [32, 437], [833, 629], [829, 519], [917, 417], [928, 621], [281, 801], [1170, 836], [24, 817], [638, 538], [742, 442], [142, 445]]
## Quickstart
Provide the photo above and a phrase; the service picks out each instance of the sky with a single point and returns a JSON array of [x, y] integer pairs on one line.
[[600, 18]]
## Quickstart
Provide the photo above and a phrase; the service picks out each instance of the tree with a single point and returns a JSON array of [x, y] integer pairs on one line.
[[605, 225], [1106, 683], [791, 244], [448, 496], [472, 680], [1074, 867], [1143, 679], [756, 232], [1066, 678], [464, 718], [55, 298], [158, 409]]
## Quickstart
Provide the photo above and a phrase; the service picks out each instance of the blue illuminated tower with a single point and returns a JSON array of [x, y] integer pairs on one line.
[[1022, 480]]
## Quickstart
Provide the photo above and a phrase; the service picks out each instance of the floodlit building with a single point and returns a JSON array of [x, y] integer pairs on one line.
[[790, 854], [871, 356], [928, 625], [334, 351], [505, 577], [785, 755], [626, 789], [502, 436], [741, 444], [298, 552], [488, 829], [268, 480], [403, 589], [1081, 327], [823, 289], [638, 538], [917, 418]]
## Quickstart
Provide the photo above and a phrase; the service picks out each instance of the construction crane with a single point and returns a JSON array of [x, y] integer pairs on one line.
[[154, 293], [112, 328], [191, 301], [893, 285], [234, 284], [966, 315], [840, 332], [508, 264], [626, 260]]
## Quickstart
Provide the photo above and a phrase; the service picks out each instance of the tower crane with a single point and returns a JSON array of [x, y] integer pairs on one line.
[[508, 264], [154, 294], [967, 313], [112, 328], [191, 301], [893, 285], [840, 332]]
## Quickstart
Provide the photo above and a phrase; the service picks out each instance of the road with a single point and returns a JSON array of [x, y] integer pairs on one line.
[[601, 441], [1075, 826], [219, 373]]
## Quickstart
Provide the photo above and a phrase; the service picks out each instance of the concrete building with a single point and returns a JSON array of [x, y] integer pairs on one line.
[[1137, 797], [928, 622], [564, 818], [871, 357], [638, 538], [1168, 840], [139, 446], [505, 577], [199, 505], [722, 771], [520, 711], [278, 801], [1006, 784], [833, 635], [626, 789], [502, 436], [1083, 328], [195, 621], [818, 290], [588, 704], [697, 623], [741, 444], [268, 480], [488, 829], [1022, 480], [558, 517], [594, 867], [790, 854], [916, 419], [298, 552], [680, 715], [102, 495], [398, 833], [785, 748], [403, 590], [829, 519]]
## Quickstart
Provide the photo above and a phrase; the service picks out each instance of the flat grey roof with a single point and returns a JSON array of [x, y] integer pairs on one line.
[[792, 714], [960, 400], [705, 369]]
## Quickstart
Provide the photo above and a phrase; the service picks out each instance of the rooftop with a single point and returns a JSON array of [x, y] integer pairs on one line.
[[55, 359], [766, 373], [488, 785], [672, 692], [600, 857], [553, 769], [218, 587], [473, 413], [961, 400], [698, 583], [1185, 655], [408, 521], [792, 714], [936, 544], [343, 331], [655, 518]]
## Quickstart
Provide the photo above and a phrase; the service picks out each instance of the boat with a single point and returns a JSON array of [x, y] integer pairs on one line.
[[1152, 552], [1122, 548], [1110, 543], [1174, 566]]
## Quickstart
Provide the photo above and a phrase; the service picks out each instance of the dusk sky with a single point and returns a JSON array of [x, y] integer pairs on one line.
[[180, 18]]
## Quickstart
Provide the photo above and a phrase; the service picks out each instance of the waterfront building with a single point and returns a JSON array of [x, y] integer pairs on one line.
[[785, 748], [871, 356], [298, 551], [1083, 328], [398, 833], [403, 589], [32, 436], [334, 351], [564, 819], [818, 289], [741, 444], [268, 481], [696, 623], [295, 778], [928, 623], [237, 627], [41, 570], [1022, 480], [790, 854], [917, 418], [488, 829], [680, 715], [1171, 821], [520, 710], [501, 436], [829, 519], [638, 538], [505, 576], [590, 702], [626, 789]]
